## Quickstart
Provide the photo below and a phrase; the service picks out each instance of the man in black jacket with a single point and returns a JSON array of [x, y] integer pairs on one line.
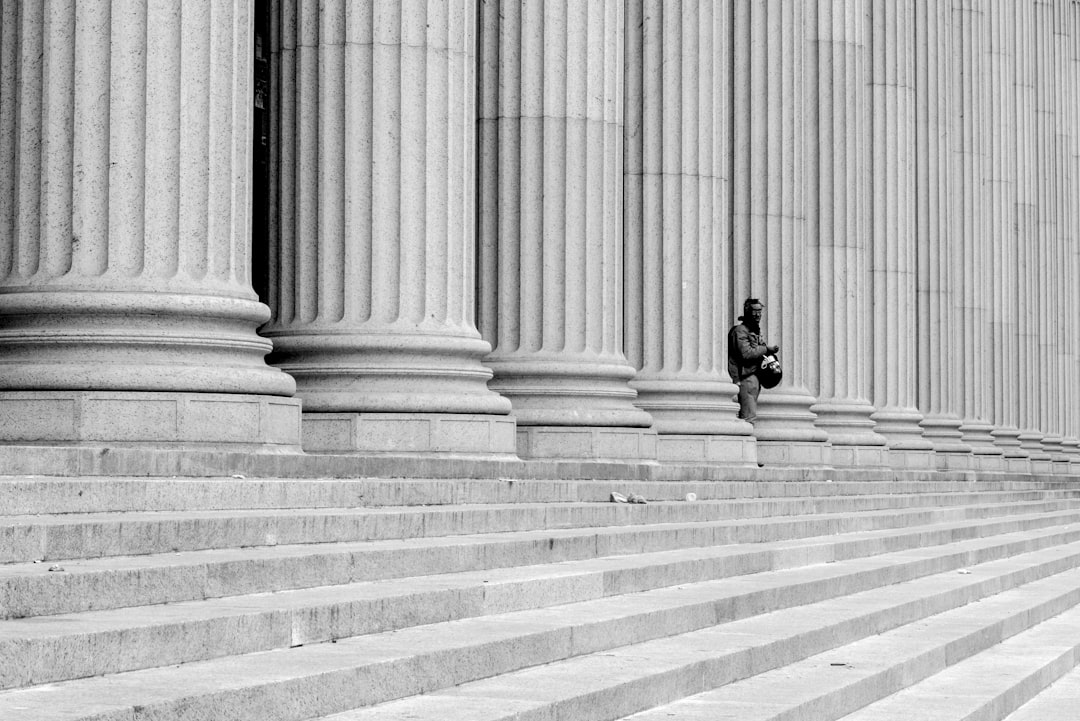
[[746, 347]]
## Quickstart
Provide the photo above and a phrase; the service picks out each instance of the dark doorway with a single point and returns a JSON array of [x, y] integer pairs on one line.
[[260, 130]]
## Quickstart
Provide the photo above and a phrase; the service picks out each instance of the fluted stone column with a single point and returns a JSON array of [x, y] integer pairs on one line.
[[844, 234], [373, 240], [937, 244], [1072, 98], [893, 262], [972, 338], [1064, 314], [1000, 161], [677, 227], [551, 245], [770, 240], [999, 101], [1032, 394], [1049, 237], [127, 315]]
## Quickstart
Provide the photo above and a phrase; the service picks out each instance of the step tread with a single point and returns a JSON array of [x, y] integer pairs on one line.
[[960, 652], [1004, 496], [112, 620], [389, 662], [114, 563], [1058, 702], [991, 683], [618, 683], [97, 642], [118, 582]]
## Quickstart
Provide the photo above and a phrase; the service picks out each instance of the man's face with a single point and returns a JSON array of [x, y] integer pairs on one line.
[[756, 311]]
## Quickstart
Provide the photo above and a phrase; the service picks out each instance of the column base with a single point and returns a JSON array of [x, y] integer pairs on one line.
[[793, 453], [950, 453], [1038, 459], [593, 443], [860, 456], [1072, 451], [953, 461], [1008, 440], [785, 430], [986, 456], [903, 436], [1017, 465], [421, 433], [1053, 445], [855, 443], [161, 420], [911, 459], [700, 448]]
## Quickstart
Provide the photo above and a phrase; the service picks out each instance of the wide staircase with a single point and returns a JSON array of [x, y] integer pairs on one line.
[[239, 599]]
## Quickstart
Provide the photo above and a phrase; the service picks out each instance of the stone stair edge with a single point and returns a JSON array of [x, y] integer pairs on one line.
[[322, 614], [91, 460], [1055, 701], [1026, 663], [985, 497], [82, 536], [857, 681], [29, 589], [392, 670], [39, 496], [617, 695]]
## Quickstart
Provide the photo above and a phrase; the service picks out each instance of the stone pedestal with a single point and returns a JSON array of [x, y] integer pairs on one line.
[[372, 232], [127, 315], [162, 420], [551, 254], [676, 228], [449, 434]]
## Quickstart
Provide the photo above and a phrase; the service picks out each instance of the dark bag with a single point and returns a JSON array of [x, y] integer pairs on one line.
[[769, 372]]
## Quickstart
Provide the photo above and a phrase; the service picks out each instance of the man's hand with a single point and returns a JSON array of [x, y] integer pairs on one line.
[[772, 349]]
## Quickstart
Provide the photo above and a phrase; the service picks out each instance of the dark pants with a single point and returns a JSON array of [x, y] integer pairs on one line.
[[749, 390]]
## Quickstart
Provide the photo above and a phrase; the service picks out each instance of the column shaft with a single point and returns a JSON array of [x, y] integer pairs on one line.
[[126, 309], [1064, 216], [770, 236], [373, 250], [1072, 97], [1000, 103], [1029, 355], [974, 236], [893, 263], [936, 236], [1048, 185], [844, 233], [677, 160], [551, 246]]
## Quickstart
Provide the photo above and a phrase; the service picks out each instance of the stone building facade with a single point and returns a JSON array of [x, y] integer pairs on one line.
[[523, 228]]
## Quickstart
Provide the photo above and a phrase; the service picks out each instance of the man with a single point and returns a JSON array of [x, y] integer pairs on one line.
[[745, 350]]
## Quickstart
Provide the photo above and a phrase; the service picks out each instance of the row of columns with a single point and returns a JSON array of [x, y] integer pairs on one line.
[[516, 227]]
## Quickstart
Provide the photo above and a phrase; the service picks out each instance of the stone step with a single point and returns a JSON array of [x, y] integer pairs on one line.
[[994, 683], [623, 681], [610, 654], [128, 581], [974, 662], [27, 538], [54, 648], [21, 496], [1059, 702]]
